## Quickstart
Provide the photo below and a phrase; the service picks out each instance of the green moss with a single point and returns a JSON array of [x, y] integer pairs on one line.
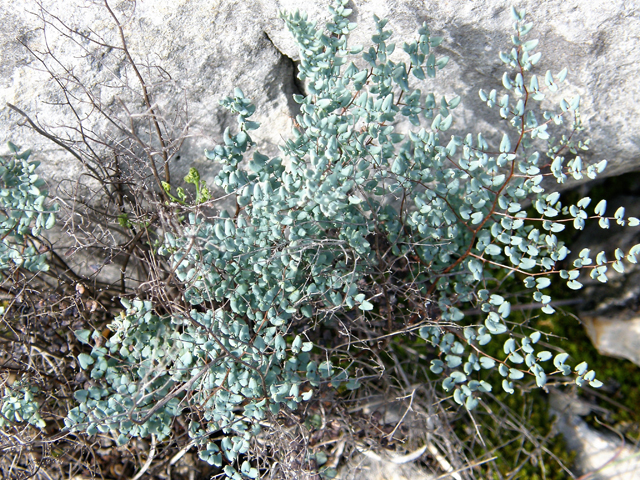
[[518, 430], [515, 429], [529, 449], [621, 377]]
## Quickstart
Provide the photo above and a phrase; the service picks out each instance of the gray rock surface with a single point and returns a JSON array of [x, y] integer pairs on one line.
[[615, 335], [193, 52], [599, 456]]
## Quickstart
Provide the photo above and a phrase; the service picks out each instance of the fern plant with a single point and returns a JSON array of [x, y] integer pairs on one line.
[[315, 232]]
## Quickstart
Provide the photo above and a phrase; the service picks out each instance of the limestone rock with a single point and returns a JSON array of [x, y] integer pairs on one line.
[[601, 453], [615, 336], [600, 456], [193, 52]]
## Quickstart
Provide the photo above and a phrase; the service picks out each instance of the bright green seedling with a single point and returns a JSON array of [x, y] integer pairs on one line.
[[193, 177]]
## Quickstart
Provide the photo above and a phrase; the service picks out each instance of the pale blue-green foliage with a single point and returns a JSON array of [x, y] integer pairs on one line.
[[130, 377], [296, 244], [22, 212], [153, 367], [18, 405]]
